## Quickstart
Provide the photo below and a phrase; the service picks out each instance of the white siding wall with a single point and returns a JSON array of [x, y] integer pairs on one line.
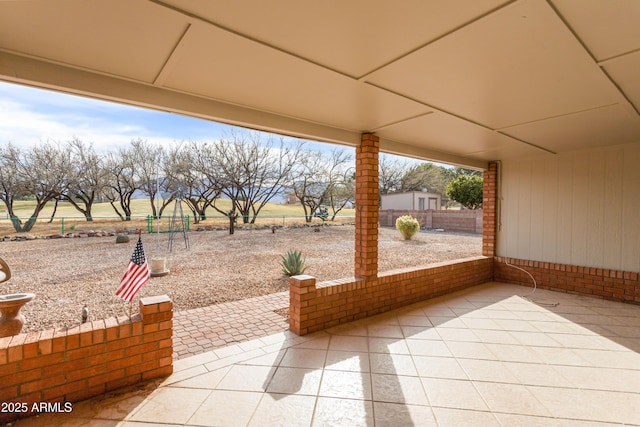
[[407, 201], [579, 208], [397, 201]]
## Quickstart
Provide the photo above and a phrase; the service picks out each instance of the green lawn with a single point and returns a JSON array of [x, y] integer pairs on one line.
[[142, 207], [106, 218]]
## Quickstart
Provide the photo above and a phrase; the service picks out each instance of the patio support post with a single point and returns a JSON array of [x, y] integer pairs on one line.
[[367, 208], [490, 210]]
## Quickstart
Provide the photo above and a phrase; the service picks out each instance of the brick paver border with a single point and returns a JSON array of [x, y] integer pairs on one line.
[[204, 329]]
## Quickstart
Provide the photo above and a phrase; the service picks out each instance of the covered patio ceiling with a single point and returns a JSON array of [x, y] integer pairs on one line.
[[463, 82]]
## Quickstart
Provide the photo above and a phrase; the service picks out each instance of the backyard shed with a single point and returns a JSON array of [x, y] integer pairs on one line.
[[411, 200]]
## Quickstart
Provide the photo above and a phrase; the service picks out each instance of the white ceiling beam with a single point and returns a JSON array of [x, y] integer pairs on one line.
[[28, 71], [401, 149]]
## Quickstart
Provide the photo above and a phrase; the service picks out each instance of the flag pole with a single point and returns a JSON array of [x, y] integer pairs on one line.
[[131, 302], [136, 275]]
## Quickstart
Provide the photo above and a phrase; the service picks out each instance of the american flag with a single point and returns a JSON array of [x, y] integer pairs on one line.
[[137, 274]]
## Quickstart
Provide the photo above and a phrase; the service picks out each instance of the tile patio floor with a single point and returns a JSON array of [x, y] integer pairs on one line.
[[482, 357]]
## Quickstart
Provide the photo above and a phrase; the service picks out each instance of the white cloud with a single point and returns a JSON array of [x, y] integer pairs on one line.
[[30, 116], [23, 127]]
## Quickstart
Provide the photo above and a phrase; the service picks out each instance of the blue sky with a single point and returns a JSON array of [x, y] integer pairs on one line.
[[29, 116]]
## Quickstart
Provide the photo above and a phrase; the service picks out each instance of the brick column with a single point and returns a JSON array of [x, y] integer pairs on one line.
[[367, 208], [301, 289], [489, 210]]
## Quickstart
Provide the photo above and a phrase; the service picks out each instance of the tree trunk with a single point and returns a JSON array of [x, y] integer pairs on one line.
[[19, 227], [55, 208], [87, 202], [27, 226]]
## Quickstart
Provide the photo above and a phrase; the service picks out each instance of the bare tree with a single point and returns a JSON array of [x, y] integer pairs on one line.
[[343, 192], [308, 187], [320, 178], [11, 186], [188, 172], [40, 172], [148, 163], [87, 177], [253, 170], [122, 182], [390, 173]]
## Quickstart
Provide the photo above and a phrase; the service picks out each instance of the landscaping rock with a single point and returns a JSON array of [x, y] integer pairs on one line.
[[122, 238]]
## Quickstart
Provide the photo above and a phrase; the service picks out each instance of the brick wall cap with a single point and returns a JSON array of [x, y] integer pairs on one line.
[[158, 299], [302, 277]]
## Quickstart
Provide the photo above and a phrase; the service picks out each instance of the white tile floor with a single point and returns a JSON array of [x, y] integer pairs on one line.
[[481, 357]]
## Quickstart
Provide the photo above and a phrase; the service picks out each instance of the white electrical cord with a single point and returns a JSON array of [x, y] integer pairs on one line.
[[535, 286]]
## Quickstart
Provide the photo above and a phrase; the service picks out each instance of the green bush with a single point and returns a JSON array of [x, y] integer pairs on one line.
[[407, 226], [292, 263], [466, 190]]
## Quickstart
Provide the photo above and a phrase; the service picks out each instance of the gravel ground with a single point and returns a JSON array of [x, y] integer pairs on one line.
[[66, 274]]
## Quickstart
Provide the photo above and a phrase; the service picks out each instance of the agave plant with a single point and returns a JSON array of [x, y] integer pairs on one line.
[[293, 263]]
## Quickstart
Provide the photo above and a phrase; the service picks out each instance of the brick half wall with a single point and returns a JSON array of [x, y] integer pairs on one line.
[[314, 307], [69, 365], [612, 285]]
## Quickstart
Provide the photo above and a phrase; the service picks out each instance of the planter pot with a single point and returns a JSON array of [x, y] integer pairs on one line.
[[158, 267], [5, 271], [12, 321]]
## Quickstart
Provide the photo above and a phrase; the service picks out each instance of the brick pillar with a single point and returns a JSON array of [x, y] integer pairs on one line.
[[489, 210], [156, 313], [302, 289], [367, 208]]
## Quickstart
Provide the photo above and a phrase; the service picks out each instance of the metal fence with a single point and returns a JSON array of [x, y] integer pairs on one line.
[[79, 224]]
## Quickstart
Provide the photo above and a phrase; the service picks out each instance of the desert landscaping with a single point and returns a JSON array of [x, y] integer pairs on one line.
[[70, 273]]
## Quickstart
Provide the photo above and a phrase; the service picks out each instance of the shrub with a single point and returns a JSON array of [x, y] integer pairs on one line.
[[292, 263], [407, 226]]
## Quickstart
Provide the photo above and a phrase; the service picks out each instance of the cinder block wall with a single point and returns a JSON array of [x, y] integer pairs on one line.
[[465, 221], [316, 307], [74, 364]]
